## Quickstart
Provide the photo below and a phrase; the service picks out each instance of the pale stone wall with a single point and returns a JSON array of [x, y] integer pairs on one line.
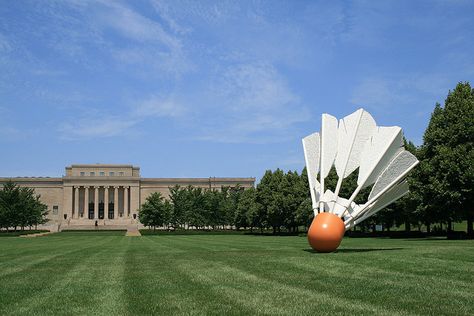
[[67, 202], [146, 192], [134, 200], [51, 196], [107, 170], [162, 185]]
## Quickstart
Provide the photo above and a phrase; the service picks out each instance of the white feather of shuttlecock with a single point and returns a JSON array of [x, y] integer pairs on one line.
[[311, 147], [356, 142]]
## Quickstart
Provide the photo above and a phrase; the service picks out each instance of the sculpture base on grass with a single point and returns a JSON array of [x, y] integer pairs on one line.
[[326, 232]]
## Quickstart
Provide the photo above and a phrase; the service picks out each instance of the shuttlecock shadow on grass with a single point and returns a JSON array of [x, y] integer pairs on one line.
[[353, 250]]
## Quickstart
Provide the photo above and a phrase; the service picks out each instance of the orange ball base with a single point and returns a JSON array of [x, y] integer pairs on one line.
[[326, 232]]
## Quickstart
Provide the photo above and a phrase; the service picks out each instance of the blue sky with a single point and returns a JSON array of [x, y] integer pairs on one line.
[[224, 88]]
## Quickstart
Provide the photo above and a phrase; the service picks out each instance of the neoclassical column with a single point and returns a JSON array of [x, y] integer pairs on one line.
[[116, 212], [96, 203], [125, 201], [76, 202], [86, 203], [106, 202]]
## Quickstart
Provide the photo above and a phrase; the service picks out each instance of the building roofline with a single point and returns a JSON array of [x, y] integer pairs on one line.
[[3, 179], [211, 179], [99, 165], [52, 179]]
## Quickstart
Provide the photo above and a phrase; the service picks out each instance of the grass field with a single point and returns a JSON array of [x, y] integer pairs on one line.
[[105, 273]]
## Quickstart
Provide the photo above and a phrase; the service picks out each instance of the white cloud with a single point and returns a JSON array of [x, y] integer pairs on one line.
[[394, 91], [8, 133], [253, 103], [135, 26], [156, 49], [5, 45], [249, 103], [87, 127], [138, 43], [373, 93], [153, 62], [156, 106], [164, 11], [99, 124], [9, 129]]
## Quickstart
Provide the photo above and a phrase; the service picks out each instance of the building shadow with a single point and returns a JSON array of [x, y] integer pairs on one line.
[[353, 250]]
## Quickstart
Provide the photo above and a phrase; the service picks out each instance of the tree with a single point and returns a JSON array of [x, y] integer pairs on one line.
[[233, 197], [294, 195], [20, 207], [279, 195], [9, 200], [196, 213], [180, 203], [246, 209], [270, 197], [212, 201], [447, 158], [155, 211], [304, 213]]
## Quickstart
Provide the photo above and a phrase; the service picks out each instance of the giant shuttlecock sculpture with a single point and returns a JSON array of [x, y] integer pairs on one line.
[[355, 142]]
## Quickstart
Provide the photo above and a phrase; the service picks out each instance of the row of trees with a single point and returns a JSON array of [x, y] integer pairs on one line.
[[441, 187], [20, 207], [280, 200]]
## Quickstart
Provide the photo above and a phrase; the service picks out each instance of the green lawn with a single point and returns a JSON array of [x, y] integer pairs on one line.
[[109, 274]]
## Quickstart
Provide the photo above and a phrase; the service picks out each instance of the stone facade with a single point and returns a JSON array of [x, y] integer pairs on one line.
[[106, 195]]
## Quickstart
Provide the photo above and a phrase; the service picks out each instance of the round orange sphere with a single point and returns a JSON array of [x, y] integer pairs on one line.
[[326, 232]]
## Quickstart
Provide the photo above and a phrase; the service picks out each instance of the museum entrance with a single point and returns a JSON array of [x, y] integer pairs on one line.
[[91, 211], [111, 211], [101, 210]]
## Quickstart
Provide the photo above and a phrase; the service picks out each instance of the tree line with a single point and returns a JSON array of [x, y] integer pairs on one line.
[[441, 187], [20, 207], [278, 201]]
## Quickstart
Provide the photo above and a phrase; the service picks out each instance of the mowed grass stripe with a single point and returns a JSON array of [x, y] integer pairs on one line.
[[39, 283], [228, 243], [74, 281], [34, 255], [245, 243], [262, 295], [373, 286], [415, 261], [253, 283], [170, 290]]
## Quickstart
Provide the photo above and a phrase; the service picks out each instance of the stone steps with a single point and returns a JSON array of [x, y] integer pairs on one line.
[[93, 227], [36, 235], [132, 231], [89, 224]]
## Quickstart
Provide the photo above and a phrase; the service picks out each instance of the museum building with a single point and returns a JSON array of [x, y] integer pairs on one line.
[[106, 194]]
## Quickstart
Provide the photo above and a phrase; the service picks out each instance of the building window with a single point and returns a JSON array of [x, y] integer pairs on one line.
[[120, 173], [102, 173], [55, 209], [92, 174], [83, 173], [111, 173]]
